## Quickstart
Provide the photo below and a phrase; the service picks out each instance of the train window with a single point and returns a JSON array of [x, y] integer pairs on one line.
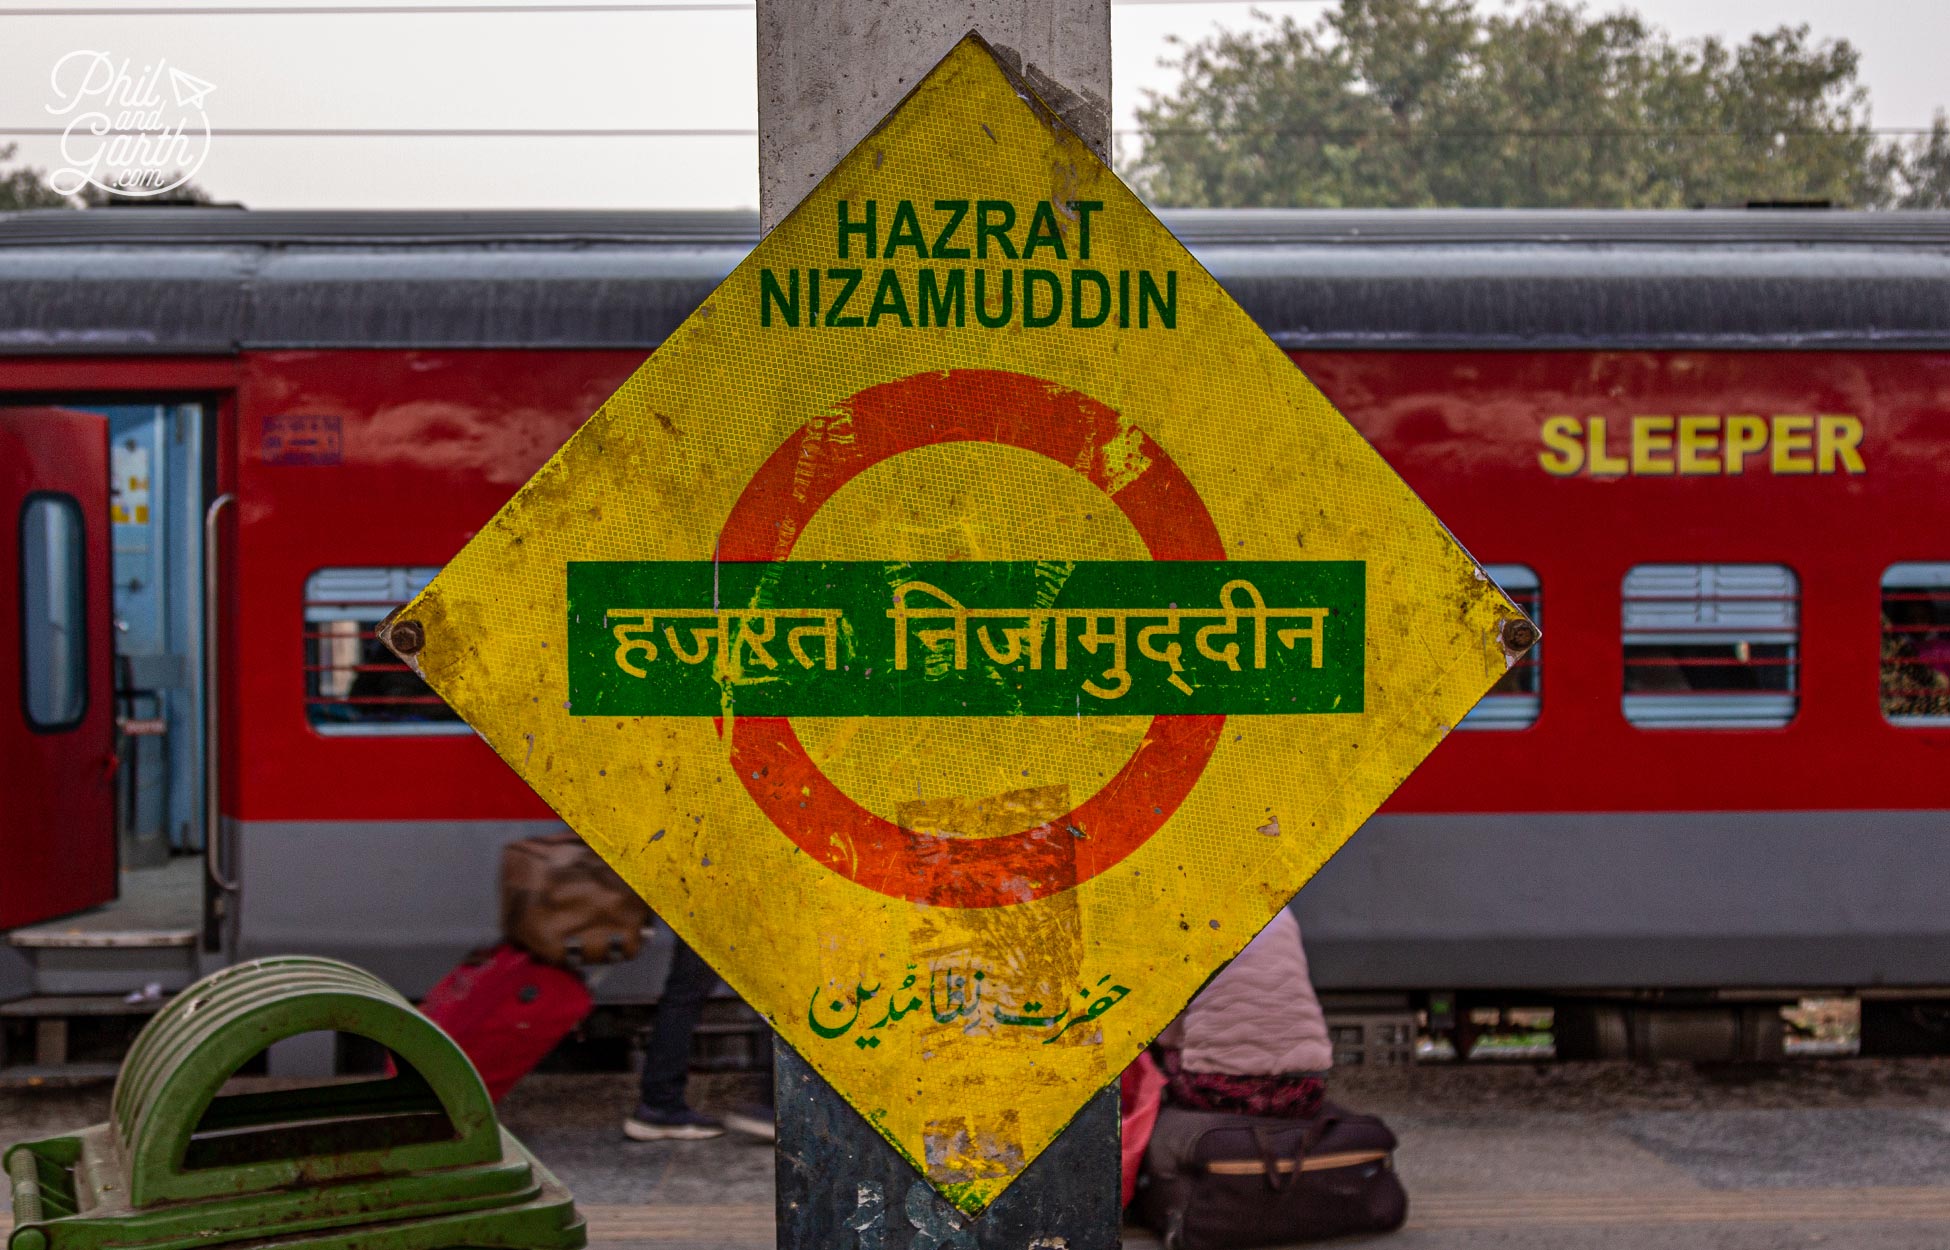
[[353, 684], [1513, 703], [1711, 646], [53, 612], [1916, 644]]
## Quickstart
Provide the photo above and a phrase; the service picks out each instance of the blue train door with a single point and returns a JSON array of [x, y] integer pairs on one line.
[[156, 489], [57, 722]]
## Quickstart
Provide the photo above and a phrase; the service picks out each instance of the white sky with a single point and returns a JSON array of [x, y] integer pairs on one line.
[[654, 70]]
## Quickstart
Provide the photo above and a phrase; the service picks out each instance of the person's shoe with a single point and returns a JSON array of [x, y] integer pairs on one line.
[[683, 1124], [753, 1120]]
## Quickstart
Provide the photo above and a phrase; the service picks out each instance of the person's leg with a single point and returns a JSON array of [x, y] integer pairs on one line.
[[661, 1111], [758, 1119], [765, 1066]]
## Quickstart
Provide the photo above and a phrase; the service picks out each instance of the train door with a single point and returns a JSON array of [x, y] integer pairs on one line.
[[57, 723], [156, 488]]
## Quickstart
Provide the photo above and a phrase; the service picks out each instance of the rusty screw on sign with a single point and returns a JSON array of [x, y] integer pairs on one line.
[[1519, 636], [404, 637]]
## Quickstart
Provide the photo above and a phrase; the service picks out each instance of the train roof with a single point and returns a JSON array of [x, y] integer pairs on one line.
[[218, 280]]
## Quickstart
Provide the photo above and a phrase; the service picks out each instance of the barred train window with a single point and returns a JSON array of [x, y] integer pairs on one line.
[[1711, 646], [1513, 703], [1916, 644], [353, 684]]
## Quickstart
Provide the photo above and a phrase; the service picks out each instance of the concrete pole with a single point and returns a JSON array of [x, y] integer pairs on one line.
[[828, 70]]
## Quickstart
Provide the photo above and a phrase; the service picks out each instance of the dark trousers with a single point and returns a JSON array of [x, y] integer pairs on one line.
[[667, 1053]]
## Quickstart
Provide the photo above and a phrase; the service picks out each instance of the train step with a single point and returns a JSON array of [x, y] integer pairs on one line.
[[147, 936], [38, 1035], [106, 962], [55, 937]]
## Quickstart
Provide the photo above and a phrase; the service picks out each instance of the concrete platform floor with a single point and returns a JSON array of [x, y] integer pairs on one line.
[[1842, 1153]]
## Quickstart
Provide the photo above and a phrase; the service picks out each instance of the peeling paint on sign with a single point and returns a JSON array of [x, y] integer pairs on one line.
[[985, 631]]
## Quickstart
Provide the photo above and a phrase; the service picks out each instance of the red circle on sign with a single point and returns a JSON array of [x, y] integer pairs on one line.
[[980, 406]]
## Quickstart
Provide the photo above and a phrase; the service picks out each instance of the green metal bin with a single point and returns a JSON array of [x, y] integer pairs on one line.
[[416, 1161]]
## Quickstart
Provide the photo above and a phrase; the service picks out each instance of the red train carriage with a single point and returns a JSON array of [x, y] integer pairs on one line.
[[1711, 450]]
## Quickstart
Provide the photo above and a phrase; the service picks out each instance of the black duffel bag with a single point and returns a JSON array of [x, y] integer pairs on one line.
[[1217, 1181]]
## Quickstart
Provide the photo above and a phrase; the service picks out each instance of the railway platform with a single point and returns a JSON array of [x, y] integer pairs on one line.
[[1846, 1153]]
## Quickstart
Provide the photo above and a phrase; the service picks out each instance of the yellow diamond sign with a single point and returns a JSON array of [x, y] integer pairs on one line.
[[967, 630]]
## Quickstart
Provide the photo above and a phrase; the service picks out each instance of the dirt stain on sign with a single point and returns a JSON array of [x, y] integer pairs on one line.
[[979, 1146]]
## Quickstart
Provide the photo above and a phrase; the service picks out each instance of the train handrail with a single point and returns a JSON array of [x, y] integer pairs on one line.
[[212, 700]]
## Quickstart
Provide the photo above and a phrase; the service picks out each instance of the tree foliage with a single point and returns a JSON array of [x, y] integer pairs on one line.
[[92, 196], [1427, 103], [1922, 169], [23, 186]]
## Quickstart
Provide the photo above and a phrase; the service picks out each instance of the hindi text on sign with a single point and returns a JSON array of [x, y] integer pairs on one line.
[[966, 638]]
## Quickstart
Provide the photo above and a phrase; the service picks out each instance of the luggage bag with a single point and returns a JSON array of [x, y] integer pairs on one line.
[[506, 1011], [1219, 1181], [562, 904]]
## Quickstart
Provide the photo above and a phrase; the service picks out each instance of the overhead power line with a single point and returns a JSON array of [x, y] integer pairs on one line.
[[1525, 132], [366, 10], [361, 10], [426, 132], [737, 132]]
